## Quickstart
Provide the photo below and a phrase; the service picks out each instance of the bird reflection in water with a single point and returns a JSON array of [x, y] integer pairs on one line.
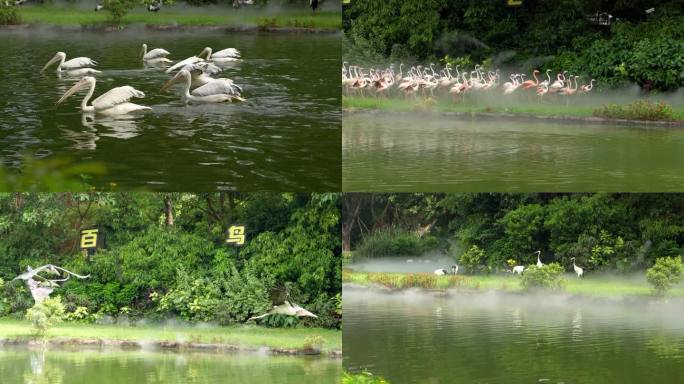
[[119, 127]]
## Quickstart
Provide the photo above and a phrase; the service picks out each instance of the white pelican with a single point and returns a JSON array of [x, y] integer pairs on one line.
[[228, 54], [113, 102], [183, 63], [74, 67], [155, 56], [201, 72], [215, 91]]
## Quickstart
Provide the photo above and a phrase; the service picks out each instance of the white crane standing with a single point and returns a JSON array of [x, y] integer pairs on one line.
[[579, 271], [442, 271], [539, 263]]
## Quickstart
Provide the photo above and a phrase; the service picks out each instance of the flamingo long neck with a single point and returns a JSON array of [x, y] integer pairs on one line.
[[84, 103], [536, 80]]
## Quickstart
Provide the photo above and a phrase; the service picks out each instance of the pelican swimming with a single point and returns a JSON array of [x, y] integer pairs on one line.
[[183, 63], [112, 102], [228, 54], [215, 91], [201, 72], [75, 67], [155, 56]]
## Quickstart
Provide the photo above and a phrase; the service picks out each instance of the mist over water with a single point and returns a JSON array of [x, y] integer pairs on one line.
[[424, 263], [417, 337]]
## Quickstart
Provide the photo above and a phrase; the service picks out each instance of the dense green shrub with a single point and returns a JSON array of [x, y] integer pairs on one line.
[[395, 243], [549, 276], [8, 13], [666, 272], [45, 314], [473, 259], [639, 110]]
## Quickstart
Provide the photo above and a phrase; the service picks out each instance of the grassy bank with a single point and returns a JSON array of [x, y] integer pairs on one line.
[[474, 106], [598, 286], [50, 15], [244, 336]]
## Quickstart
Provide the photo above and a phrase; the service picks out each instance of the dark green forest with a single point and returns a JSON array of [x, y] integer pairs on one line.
[[616, 42], [165, 255], [604, 232]]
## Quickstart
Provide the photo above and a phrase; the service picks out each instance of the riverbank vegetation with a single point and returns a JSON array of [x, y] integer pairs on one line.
[[613, 43], [176, 16], [487, 234], [165, 256], [599, 285], [639, 110], [362, 378], [240, 336]]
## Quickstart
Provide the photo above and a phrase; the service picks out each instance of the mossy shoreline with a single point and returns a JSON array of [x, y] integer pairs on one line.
[[182, 18], [444, 285], [162, 345], [248, 339], [522, 117]]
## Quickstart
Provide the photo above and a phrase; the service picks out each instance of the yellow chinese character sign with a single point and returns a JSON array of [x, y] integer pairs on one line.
[[89, 238], [236, 234]]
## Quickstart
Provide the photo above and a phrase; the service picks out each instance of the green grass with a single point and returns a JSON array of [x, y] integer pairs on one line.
[[596, 285], [442, 104], [245, 336], [170, 16]]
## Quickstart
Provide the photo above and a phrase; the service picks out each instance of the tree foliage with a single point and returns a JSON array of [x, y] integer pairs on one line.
[[155, 267], [666, 272], [622, 232], [556, 34]]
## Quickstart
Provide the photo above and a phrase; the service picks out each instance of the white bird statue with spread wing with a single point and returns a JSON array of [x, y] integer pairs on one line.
[[78, 66], [113, 102], [286, 308], [41, 287]]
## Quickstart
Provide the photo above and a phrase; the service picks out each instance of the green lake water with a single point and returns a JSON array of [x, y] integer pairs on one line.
[[429, 152], [34, 366], [286, 136], [415, 337]]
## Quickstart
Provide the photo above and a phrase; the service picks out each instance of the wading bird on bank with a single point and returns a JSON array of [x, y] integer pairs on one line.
[[155, 6], [539, 263], [78, 66], [224, 55], [155, 56], [579, 271], [519, 269], [215, 91], [442, 272], [112, 102]]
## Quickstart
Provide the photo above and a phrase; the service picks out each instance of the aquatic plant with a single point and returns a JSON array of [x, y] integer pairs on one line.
[[666, 272], [638, 110], [362, 378], [549, 276], [45, 314]]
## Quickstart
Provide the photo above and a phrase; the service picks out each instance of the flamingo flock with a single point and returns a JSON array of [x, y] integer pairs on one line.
[[194, 74], [383, 81]]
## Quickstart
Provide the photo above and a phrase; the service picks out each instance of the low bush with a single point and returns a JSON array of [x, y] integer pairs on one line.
[[395, 243], [549, 276], [666, 272], [473, 259], [8, 13], [117, 9], [45, 314], [638, 110]]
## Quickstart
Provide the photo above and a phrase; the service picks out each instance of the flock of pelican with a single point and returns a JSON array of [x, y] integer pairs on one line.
[[381, 81], [194, 75]]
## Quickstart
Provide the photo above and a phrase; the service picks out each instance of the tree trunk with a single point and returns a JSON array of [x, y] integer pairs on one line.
[[168, 210]]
